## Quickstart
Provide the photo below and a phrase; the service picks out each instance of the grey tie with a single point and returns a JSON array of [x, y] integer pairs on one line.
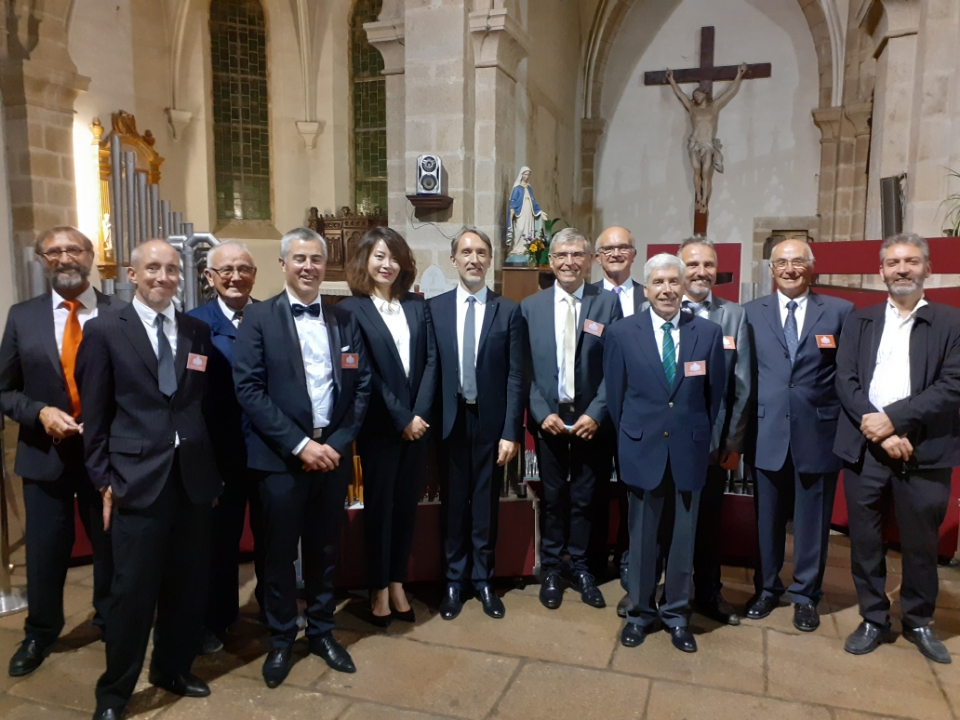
[[469, 379], [166, 373], [790, 333]]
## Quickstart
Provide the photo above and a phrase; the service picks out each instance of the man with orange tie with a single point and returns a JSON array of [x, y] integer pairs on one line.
[[38, 391]]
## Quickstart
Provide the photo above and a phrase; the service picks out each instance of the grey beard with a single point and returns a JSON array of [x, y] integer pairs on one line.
[[61, 280], [898, 290]]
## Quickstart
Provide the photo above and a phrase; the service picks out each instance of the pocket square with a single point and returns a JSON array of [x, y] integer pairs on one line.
[[344, 348]]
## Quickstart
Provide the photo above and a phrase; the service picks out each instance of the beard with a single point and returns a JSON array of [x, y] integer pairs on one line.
[[67, 277], [903, 289]]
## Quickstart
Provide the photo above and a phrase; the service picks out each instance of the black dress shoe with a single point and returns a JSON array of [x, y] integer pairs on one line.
[[805, 617], [186, 685], [589, 592], [623, 607], [108, 714], [928, 644], [28, 657], [683, 639], [210, 644], [718, 610], [632, 635], [763, 606], [382, 621], [551, 591], [451, 605], [277, 666], [867, 638], [333, 653], [406, 616], [492, 605]]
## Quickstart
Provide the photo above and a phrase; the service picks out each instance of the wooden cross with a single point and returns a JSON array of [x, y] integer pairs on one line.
[[707, 73]]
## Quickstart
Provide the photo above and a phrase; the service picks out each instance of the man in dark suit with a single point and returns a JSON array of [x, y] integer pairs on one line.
[[38, 390], [898, 378], [796, 333], [480, 347], [143, 387], [568, 414], [665, 375], [302, 380], [232, 272], [699, 260]]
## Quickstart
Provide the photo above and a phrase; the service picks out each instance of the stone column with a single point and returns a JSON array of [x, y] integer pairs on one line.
[[859, 115], [827, 121], [591, 130]]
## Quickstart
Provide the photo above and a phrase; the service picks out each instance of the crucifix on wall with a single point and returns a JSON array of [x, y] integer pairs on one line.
[[703, 145]]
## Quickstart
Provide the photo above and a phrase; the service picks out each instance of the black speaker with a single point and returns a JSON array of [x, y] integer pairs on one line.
[[891, 206]]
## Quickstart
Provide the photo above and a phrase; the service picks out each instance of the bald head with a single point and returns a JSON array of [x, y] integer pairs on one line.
[[155, 271], [616, 253], [791, 265]]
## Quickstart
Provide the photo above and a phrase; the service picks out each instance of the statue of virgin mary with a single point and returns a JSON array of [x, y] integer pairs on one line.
[[525, 217]]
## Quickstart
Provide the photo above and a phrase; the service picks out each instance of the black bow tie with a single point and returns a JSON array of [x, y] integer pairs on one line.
[[313, 309], [690, 307]]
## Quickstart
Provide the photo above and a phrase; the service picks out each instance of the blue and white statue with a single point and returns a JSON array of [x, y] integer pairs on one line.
[[525, 218]]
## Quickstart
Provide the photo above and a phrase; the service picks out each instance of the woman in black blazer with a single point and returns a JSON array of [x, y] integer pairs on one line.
[[400, 343]]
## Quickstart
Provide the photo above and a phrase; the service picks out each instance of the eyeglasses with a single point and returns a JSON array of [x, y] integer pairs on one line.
[[611, 250], [567, 256], [798, 263], [73, 252], [244, 271]]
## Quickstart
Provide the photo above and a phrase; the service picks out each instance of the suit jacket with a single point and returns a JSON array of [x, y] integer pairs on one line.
[[272, 385], [31, 378], [129, 426], [639, 299], [395, 398], [501, 379], [655, 423], [930, 415], [590, 398], [797, 406]]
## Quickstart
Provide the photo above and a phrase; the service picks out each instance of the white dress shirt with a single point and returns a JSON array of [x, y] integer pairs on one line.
[[800, 313], [229, 312], [478, 312], [700, 308], [560, 308], [88, 311], [149, 319], [395, 319], [626, 294], [674, 333], [891, 374], [317, 365]]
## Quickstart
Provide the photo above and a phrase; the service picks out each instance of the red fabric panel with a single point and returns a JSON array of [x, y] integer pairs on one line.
[[857, 257], [728, 261]]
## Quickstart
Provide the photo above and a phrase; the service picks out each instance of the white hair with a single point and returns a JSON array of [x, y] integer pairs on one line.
[[570, 235], [809, 249], [215, 251], [301, 233], [661, 262]]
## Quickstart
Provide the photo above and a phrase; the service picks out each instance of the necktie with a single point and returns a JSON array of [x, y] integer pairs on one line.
[[166, 373], [72, 335], [618, 289], [313, 309], [669, 354], [469, 379], [790, 333], [570, 349], [238, 316], [687, 307]]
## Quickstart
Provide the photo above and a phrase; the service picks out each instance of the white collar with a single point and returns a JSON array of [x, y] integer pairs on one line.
[[894, 310], [228, 311], [707, 299], [294, 300], [627, 285], [149, 315], [659, 321], [391, 307], [783, 299], [559, 293], [480, 295], [88, 298]]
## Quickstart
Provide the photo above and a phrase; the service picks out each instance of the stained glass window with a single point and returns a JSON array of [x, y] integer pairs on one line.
[[369, 111], [241, 127]]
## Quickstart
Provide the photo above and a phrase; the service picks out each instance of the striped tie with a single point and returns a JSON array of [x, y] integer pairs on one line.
[[669, 354]]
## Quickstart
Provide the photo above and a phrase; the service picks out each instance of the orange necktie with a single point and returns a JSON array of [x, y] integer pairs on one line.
[[72, 335]]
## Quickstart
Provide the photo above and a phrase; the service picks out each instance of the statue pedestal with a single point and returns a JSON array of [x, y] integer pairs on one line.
[[520, 282], [700, 223]]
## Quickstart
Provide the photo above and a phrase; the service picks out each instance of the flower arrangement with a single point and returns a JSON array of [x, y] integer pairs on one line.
[[536, 248]]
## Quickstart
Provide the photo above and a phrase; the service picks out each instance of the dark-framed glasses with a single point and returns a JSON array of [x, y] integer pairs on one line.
[[783, 263], [73, 252], [611, 250], [577, 256], [244, 271]]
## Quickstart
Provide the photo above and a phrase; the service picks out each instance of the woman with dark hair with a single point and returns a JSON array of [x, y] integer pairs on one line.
[[398, 332]]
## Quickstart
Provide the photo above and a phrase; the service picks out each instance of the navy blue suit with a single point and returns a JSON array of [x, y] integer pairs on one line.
[[240, 485], [663, 438], [791, 442]]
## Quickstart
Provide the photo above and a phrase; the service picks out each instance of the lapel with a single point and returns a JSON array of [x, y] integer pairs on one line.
[[814, 311], [488, 314], [715, 313], [370, 310], [872, 337], [771, 311], [689, 335], [444, 311], [222, 324], [414, 322], [647, 340], [48, 332], [333, 335], [548, 326], [137, 335], [284, 317], [638, 297], [919, 354], [589, 293], [184, 348]]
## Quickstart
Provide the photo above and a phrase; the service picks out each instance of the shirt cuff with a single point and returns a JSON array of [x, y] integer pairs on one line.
[[300, 446]]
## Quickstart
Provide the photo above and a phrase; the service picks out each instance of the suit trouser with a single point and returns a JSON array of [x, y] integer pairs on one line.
[[570, 511], [811, 496], [49, 537], [161, 557], [393, 474], [307, 508], [663, 523], [920, 500], [706, 555], [470, 500], [239, 490]]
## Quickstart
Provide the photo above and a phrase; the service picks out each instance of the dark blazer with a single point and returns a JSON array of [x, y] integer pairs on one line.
[[639, 299], [591, 397], [129, 426], [501, 381], [797, 407], [930, 415], [31, 378], [272, 385], [654, 423], [396, 399]]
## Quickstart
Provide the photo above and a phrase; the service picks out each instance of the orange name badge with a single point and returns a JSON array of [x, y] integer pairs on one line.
[[697, 367], [826, 341], [729, 342], [348, 361], [197, 362], [593, 327]]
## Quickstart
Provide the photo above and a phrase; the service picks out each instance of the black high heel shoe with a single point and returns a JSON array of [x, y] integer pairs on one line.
[[407, 616]]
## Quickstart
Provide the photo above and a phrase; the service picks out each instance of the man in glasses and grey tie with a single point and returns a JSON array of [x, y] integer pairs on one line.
[[796, 333]]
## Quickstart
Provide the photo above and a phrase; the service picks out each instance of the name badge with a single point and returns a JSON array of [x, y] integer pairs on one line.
[[697, 367], [348, 361], [197, 362], [729, 342], [826, 341], [593, 327]]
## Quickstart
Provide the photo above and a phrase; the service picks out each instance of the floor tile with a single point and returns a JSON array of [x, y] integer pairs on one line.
[[369, 711], [674, 701], [67, 679]]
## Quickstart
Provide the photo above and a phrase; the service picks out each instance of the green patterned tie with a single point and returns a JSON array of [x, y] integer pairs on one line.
[[669, 354]]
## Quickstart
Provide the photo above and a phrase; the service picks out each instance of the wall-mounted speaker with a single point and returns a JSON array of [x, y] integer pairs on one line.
[[429, 175], [891, 205]]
